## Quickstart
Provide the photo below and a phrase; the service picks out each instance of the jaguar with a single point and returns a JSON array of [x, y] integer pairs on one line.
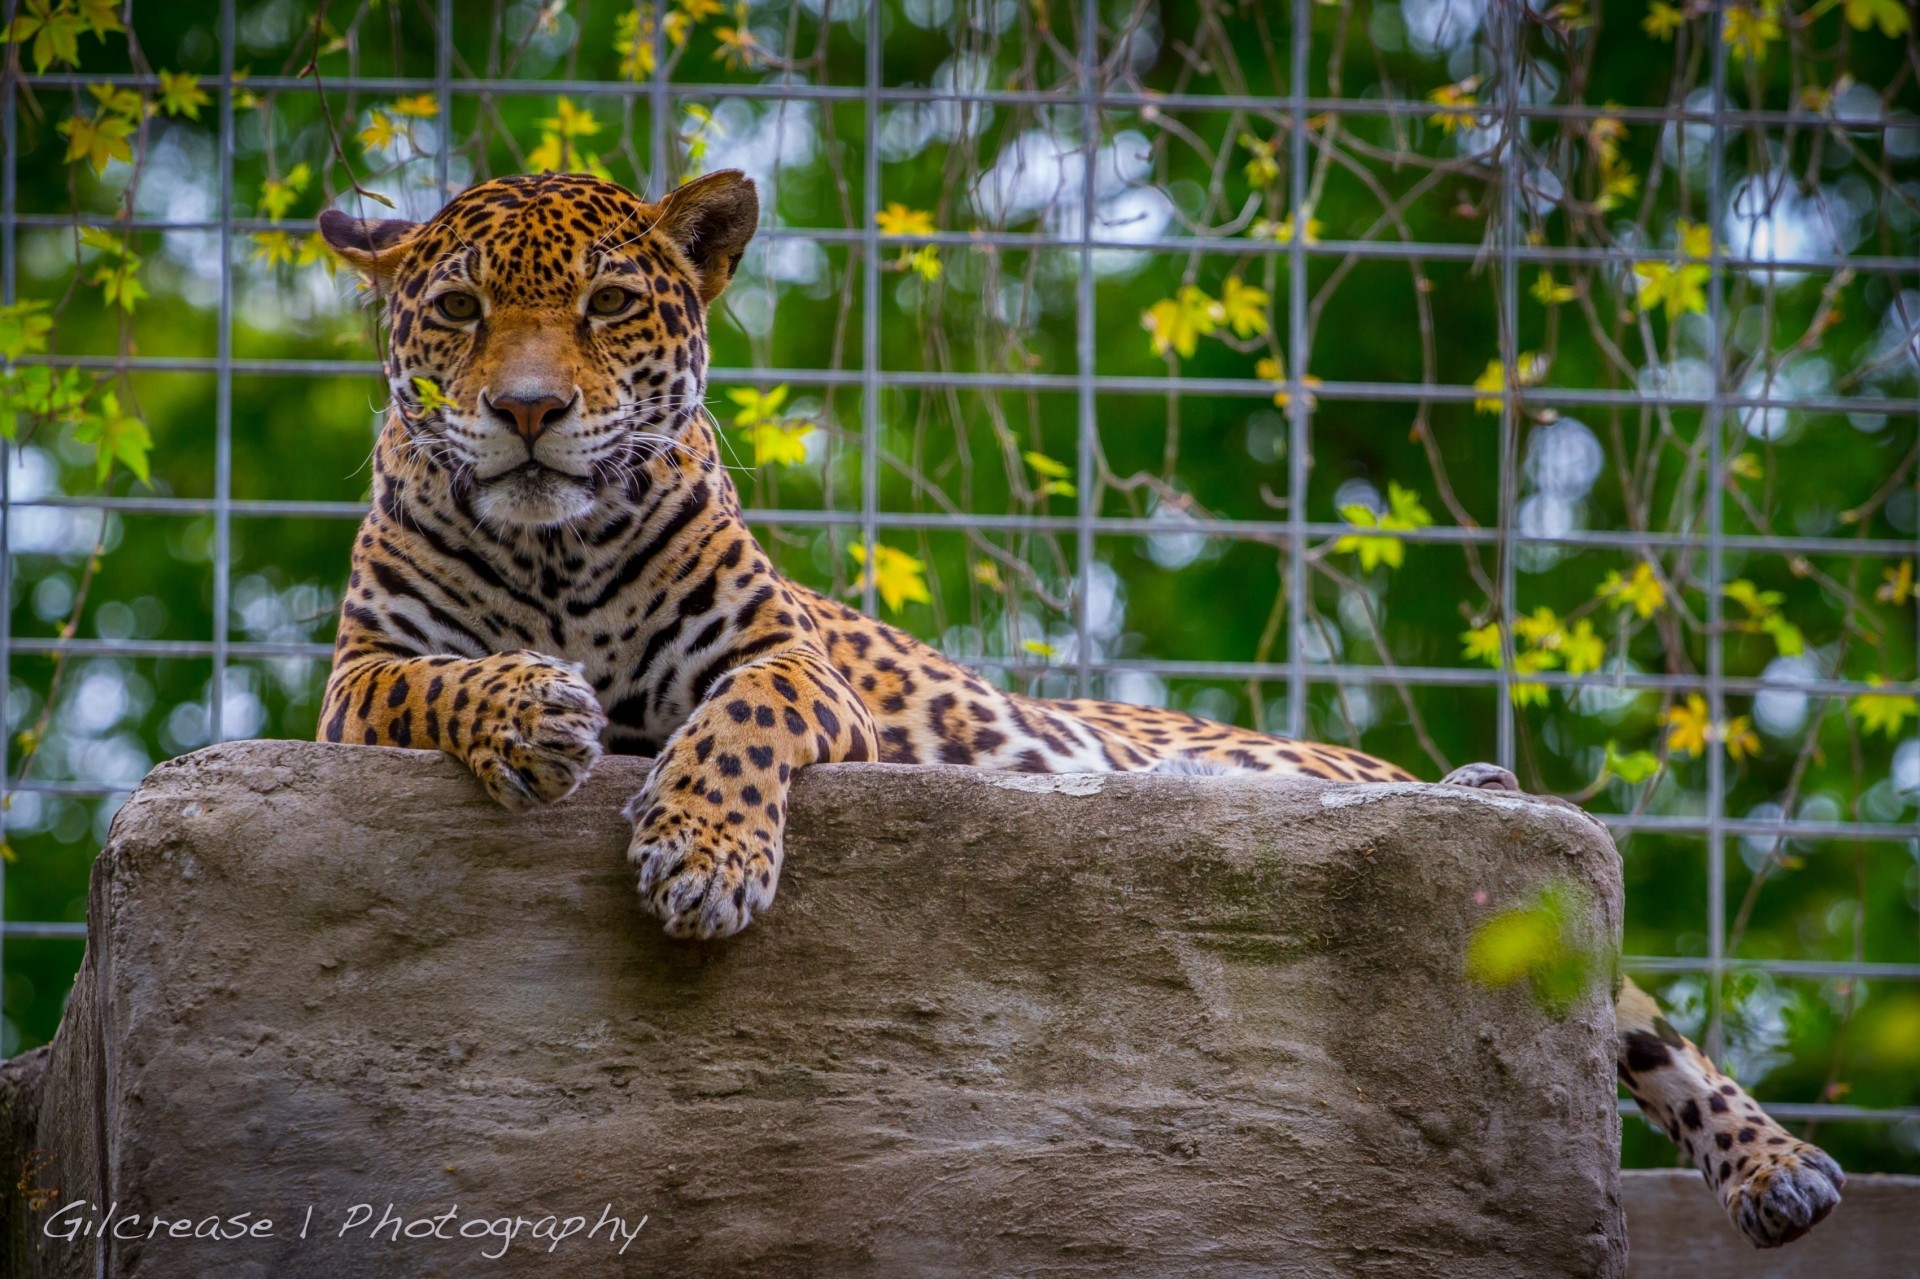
[[556, 564]]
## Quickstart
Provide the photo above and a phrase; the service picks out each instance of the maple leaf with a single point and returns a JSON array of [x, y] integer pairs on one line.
[[273, 247], [117, 101], [1179, 322], [1483, 644], [101, 16], [116, 437], [896, 575], [570, 121], [1244, 307], [380, 132], [1643, 591], [757, 407], [1677, 289], [1404, 513], [181, 94], [278, 194], [1582, 650], [898, 219], [98, 139], [1748, 30], [1883, 712], [776, 444], [55, 33], [1689, 726]]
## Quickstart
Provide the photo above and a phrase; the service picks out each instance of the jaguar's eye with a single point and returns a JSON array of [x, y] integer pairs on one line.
[[458, 307], [609, 301]]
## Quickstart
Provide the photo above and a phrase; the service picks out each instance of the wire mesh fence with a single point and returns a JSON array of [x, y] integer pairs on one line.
[[1455, 379]]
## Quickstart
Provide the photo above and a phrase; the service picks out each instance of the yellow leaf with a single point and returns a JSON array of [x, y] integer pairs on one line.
[[757, 407], [1891, 16], [98, 139], [1748, 30], [570, 121], [896, 575], [1689, 726], [379, 133], [1643, 591], [431, 397], [735, 46], [1453, 97], [1263, 170], [1898, 588], [633, 41], [421, 106], [987, 573], [898, 219], [1883, 712], [1550, 294], [1244, 307], [1676, 289], [775, 444], [1483, 644], [273, 247], [1039, 648], [181, 94], [1662, 20], [1179, 322], [1741, 741]]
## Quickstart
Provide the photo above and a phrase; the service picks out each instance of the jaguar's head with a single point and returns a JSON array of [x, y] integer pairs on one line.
[[549, 333]]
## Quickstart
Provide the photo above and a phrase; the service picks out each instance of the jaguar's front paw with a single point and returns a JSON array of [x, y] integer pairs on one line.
[[1786, 1191], [702, 876], [536, 730]]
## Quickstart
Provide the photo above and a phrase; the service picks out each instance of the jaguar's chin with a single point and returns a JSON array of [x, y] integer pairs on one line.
[[533, 496]]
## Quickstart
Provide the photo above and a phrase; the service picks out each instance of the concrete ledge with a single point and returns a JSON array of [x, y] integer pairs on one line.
[[1679, 1232], [993, 1025]]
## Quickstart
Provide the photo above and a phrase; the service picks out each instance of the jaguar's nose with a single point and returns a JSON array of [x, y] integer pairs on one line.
[[528, 414]]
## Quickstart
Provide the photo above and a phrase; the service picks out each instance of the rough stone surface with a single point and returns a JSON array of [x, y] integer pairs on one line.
[[1089, 1026]]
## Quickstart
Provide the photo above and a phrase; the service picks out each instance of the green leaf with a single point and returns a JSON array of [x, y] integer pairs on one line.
[[24, 328], [116, 437], [1537, 943], [1890, 16], [1631, 769]]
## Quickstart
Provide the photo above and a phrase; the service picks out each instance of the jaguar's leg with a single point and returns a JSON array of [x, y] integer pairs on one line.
[[710, 824], [526, 724], [1774, 1186]]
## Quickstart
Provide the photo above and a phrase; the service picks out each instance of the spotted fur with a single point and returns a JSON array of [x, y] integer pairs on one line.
[[556, 563]]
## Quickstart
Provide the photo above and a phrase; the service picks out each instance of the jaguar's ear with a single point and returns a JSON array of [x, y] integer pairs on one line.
[[372, 246], [711, 219]]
